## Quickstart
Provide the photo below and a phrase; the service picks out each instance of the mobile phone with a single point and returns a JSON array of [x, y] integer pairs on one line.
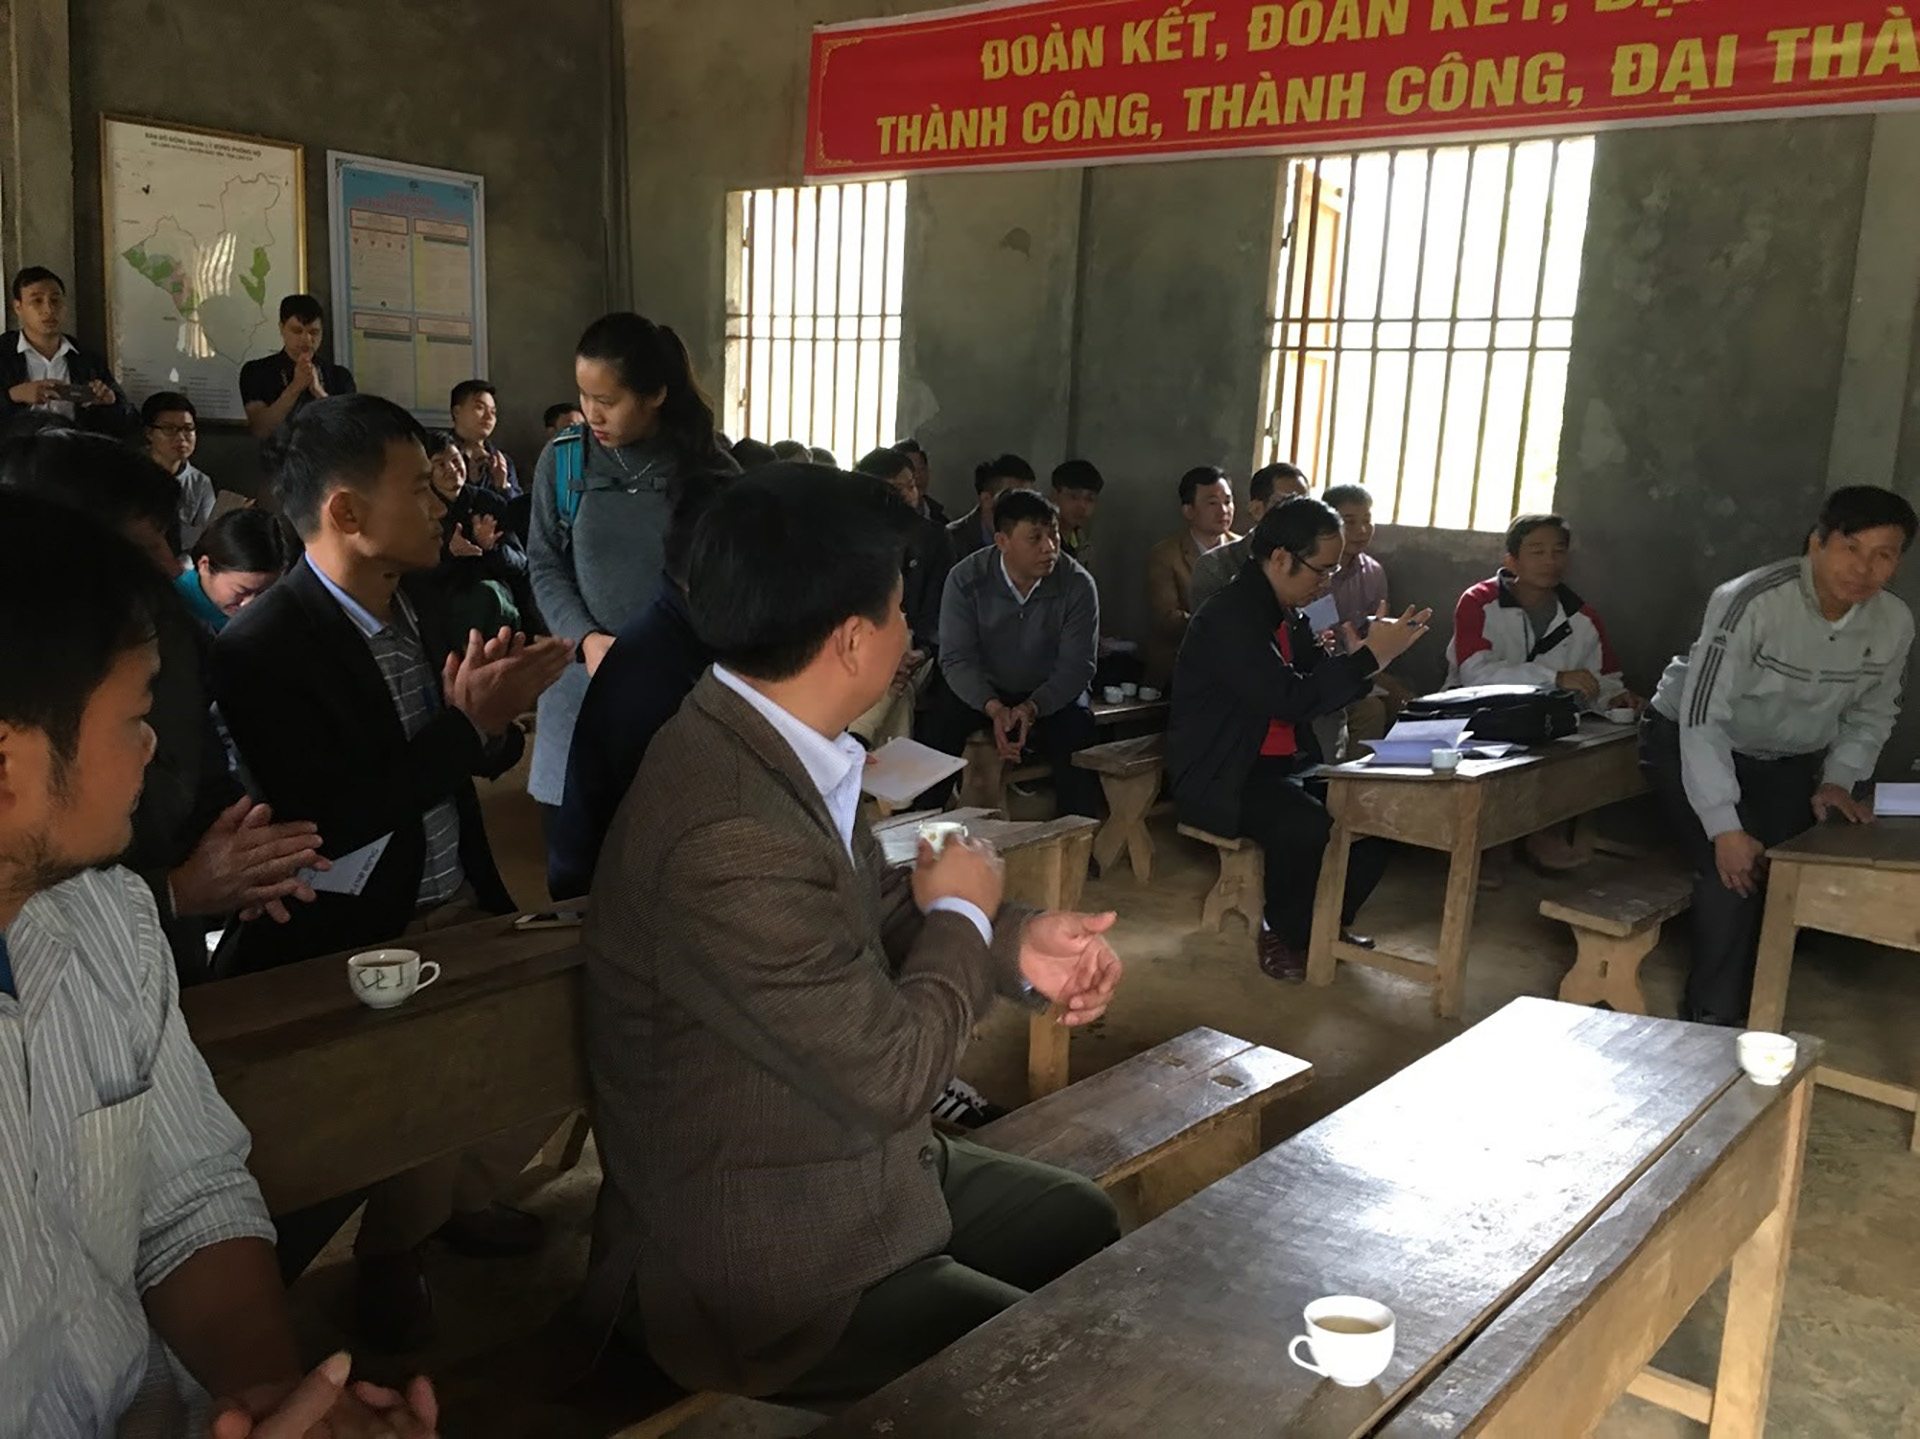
[[73, 394], [551, 919]]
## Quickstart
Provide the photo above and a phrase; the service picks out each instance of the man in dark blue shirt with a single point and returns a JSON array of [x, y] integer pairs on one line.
[[275, 387]]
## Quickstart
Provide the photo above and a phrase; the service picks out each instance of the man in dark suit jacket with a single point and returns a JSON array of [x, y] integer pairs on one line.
[[1251, 678], [770, 1010], [331, 688], [39, 360]]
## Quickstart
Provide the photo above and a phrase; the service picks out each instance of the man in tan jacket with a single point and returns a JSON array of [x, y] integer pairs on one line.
[[1206, 501], [771, 1010]]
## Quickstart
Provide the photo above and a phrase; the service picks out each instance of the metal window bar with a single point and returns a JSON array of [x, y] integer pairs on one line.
[[1440, 468], [813, 317]]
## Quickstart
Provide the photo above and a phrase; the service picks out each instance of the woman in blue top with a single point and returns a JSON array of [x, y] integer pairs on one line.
[[237, 560], [597, 554]]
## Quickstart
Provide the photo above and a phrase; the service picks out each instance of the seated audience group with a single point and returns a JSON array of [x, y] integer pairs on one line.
[[712, 636]]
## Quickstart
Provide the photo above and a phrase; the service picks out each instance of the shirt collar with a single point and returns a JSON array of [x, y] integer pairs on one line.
[[828, 762], [363, 618], [26, 348], [1001, 561]]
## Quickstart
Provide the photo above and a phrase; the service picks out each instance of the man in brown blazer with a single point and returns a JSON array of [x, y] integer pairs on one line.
[[771, 1010], [1206, 500]]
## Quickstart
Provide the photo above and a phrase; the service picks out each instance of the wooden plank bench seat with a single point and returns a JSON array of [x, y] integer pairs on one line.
[[1242, 886], [1130, 773], [983, 783], [1616, 925]]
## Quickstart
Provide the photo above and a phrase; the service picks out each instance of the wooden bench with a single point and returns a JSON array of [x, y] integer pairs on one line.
[[983, 783], [1242, 886], [1130, 772], [1616, 924], [1172, 1120]]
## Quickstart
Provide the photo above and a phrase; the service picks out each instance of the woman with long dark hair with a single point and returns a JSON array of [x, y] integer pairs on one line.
[[601, 507]]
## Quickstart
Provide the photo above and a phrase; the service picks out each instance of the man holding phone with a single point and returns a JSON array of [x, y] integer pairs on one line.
[[43, 368]]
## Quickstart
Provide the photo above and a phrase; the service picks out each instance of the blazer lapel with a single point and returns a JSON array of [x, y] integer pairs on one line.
[[344, 650]]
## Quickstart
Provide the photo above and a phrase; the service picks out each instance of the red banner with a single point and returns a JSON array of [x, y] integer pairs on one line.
[[1097, 81]]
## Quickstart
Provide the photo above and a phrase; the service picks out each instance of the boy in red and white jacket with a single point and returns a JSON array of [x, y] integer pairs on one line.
[[1525, 627]]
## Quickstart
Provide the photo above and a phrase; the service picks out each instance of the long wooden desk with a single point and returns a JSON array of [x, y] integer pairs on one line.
[[1046, 868], [337, 1095], [1862, 881], [1488, 803], [1540, 1201]]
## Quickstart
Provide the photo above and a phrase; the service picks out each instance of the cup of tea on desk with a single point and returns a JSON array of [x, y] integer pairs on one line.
[[386, 978], [1349, 1340]]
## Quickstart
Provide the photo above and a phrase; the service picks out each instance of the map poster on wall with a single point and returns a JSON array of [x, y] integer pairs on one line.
[[204, 232], [409, 279]]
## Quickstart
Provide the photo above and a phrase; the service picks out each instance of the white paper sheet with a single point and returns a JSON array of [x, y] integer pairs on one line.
[[901, 769], [350, 872], [1896, 800], [1412, 742], [1323, 614]]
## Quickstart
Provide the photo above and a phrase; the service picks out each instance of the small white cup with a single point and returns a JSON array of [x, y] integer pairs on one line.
[[1129, 690], [1350, 1339], [937, 832], [1150, 694], [1446, 761], [1113, 695], [387, 978], [1767, 1058]]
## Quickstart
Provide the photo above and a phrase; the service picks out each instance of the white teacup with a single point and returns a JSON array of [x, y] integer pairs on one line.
[[1149, 694], [385, 978], [1446, 761], [936, 832], [1350, 1340], [1767, 1058], [1130, 690], [1113, 695]]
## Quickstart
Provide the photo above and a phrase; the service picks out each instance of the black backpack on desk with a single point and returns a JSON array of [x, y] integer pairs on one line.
[[1504, 714]]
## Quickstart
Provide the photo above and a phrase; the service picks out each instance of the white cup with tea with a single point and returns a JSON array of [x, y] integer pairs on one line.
[[1767, 1058], [936, 832], [386, 978], [1349, 1340]]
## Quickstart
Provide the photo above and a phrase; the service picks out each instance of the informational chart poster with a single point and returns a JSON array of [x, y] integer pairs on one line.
[[203, 232], [409, 279]]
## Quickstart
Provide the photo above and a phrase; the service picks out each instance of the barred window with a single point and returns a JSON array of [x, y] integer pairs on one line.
[[1422, 321], [813, 315]]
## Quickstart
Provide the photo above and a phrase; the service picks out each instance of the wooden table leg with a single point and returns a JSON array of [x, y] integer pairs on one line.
[[1047, 1053], [1774, 963], [1331, 896], [1755, 1295], [1463, 892], [1128, 800]]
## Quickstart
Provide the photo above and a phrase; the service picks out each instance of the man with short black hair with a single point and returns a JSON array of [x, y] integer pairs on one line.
[[277, 387], [44, 368], [991, 479], [1216, 569], [1019, 641], [1206, 502], [1252, 679], [923, 481], [173, 432], [1773, 720], [332, 688], [127, 1214], [1076, 494], [771, 1009], [563, 416], [474, 406]]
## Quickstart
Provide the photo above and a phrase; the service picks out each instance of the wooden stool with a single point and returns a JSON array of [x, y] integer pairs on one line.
[[983, 783], [1242, 887], [1130, 771], [1616, 925], [1172, 1120]]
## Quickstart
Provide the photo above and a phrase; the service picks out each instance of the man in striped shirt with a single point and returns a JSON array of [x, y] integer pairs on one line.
[[1771, 721], [128, 1219]]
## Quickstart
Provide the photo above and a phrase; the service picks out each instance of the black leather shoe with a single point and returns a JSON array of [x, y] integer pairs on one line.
[[392, 1303], [496, 1232], [1279, 961], [1358, 941]]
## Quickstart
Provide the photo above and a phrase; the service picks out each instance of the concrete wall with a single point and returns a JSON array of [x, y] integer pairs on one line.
[[526, 96]]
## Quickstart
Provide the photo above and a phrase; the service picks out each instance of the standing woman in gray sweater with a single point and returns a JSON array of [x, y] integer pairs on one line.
[[600, 508]]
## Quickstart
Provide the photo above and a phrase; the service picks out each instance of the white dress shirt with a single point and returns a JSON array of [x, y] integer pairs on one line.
[[835, 766], [39, 367]]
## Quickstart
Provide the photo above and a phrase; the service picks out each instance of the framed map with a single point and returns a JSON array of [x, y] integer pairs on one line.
[[205, 233]]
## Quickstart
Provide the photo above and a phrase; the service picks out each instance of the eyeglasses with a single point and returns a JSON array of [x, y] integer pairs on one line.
[[1326, 572], [176, 431]]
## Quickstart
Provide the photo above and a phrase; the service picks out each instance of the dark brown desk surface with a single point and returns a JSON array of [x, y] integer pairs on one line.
[[1593, 734], [1892, 844], [1445, 1192]]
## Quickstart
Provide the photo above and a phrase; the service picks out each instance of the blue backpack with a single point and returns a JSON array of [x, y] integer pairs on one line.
[[569, 473]]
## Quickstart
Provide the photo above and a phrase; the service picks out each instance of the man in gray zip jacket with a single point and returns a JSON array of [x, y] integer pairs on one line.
[[1773, 719]]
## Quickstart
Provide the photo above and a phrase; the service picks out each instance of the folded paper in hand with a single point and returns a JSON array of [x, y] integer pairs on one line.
[[350, 872], [902, 769], [1411, 743]]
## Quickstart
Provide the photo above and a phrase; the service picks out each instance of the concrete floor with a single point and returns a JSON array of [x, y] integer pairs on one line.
[[1848, 1363]]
